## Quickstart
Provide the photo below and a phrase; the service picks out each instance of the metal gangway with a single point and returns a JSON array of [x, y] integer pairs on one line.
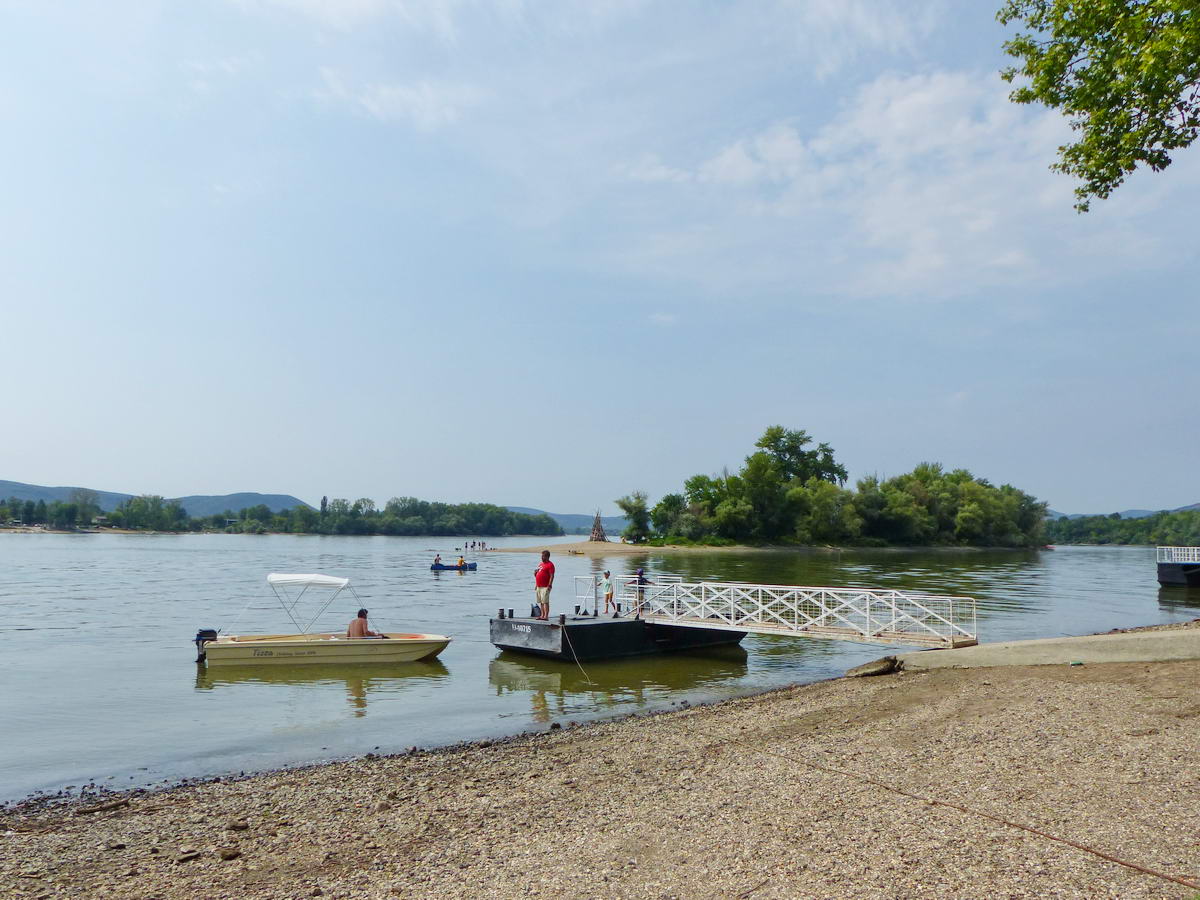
[[866, 615], [1179, 554]]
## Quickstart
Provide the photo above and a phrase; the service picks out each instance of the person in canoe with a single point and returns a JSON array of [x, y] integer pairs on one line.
[[358, 627], [437, 560], [462, 563]]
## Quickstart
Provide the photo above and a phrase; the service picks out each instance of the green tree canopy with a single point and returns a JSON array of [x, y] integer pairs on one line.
[[787, 493], [638, 517], [794, 462], [1180, 528], [1125, 72]]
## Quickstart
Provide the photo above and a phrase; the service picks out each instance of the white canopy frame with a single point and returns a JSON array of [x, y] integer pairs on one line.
[[280, 583]]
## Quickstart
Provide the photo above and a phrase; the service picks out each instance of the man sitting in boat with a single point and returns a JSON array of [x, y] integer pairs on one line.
[[461, 561], [358, 627]]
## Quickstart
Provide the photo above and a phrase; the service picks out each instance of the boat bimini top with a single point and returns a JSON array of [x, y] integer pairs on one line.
[[300, 584], [275, 579]]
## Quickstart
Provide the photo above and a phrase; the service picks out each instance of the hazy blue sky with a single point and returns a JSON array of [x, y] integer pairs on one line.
[[545, 253]]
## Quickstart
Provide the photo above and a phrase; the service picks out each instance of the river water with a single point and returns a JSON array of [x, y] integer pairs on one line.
[[98, 681]]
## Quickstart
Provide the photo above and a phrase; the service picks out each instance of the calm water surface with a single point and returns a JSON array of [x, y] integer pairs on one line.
[[98, 683]]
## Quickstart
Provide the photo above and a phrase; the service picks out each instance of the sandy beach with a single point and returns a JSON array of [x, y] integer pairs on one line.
[[951, 783]]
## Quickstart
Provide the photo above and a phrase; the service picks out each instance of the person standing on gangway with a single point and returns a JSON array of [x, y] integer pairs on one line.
[[640, 580]]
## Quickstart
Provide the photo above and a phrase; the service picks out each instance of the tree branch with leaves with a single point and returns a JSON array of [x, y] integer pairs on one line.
[[1126, 73]]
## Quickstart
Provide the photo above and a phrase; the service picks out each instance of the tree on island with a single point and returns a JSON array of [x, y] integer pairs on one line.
[[1125, 72], [786, 493], [795, 463], [637, 517]]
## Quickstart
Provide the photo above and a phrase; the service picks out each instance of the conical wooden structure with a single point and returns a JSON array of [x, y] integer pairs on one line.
[[598, 529]]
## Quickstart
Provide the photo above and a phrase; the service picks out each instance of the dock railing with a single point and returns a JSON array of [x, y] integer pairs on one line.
[[1179, 554], [848, 614]]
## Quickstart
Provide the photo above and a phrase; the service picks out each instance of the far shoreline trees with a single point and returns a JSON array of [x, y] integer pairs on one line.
[[1172, 529], [400, 516], [786, 493]]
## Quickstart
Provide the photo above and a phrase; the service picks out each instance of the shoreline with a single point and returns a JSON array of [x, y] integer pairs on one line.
[[788, 783], [38, 529], [590, 548], [616, 548]]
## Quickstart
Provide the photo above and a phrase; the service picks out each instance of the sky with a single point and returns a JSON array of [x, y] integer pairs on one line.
[[548, 253]]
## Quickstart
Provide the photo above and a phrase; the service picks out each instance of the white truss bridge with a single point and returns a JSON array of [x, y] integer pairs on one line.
[[844, 614], [1179, 554]]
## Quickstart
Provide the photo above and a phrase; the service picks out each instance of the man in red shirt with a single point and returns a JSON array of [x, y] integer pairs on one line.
[[543, 581]]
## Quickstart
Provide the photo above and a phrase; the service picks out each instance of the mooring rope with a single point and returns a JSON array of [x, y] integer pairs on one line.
[[567, 634], [867, 779]]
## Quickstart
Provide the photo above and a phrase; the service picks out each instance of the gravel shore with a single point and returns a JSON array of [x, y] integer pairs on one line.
[[838, 789]]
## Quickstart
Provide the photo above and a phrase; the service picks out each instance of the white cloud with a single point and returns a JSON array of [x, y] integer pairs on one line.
[[202, 74], [430, 15], [832, 34], [923, 184], [650, 168], [448, 19], [777, 155], [426, 105]]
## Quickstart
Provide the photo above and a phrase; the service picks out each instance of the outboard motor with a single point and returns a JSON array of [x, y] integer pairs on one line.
[[203, 636]]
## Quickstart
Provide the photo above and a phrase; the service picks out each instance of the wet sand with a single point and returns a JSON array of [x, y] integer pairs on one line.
[[901, 786]]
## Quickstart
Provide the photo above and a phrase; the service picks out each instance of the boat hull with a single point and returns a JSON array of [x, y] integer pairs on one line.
[[438, 567], [1179, 573], [593, 638], [326, 649]]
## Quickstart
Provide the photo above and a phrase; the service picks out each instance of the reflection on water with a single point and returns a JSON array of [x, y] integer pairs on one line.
[[1180, 599], [359, 680], [146, 714], [560, 688]]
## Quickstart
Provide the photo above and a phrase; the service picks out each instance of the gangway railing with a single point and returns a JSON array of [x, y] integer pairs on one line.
[[849, 614], [589, 596], [1179, 554]]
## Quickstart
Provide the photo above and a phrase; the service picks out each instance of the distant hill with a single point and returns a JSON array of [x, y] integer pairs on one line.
[[35, 492], [197, 505], [1124, 514], [200, 505], [574, 523]]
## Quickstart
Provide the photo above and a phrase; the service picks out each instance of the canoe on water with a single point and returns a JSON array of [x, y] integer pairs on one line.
[[442, 567]]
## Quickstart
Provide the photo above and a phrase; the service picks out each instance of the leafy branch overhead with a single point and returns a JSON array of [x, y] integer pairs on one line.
[[1125, 72]]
